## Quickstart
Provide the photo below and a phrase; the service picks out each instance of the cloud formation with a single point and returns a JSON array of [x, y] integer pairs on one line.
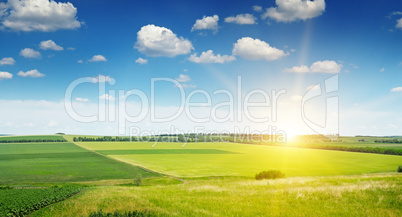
[[5, 75], [399, 23], [207, 22], [38, 15], [241, 19], [98, 58], [396, 89], [7, 61], [292, 10], [141, 61], [160, 41], [326, 66], [100, 79], [31, 73], [255, 49], [50, 45], [30, 53], [209, 57]]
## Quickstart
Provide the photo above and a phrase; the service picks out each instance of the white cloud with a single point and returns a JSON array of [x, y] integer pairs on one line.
[[32, 74], [326, 66], [291, 10], [98, 58], [183, 78], [100, 79], [107, 97], [255, 49], [52, 123], [188, 85], [30, 53], [141, 61], [241, 19], [209, 57], [206, 22], [7, 61], [5, 75], [298, 69], [78, 99], [257, 8], [396, 89], [80, 61], [50, 45], [159, 41], [399, 23], [38, 15], [71, 48], [382, 69]]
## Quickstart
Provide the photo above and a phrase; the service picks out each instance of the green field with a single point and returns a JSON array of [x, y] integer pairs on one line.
[[231, 159], [58, 162], [202, 179], [373, 195]]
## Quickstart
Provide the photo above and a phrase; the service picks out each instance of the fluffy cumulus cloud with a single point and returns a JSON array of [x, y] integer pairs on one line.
[[241, 19], [5, 75], [141, 61], [7, 61], [209, 57], [31, 73], [326, 66], [255, 49], [160, 41], [291, 10], [50, 45], [30, 53], [38, 15], [98, 58], [396, 89], [399, 23], [207, 22]]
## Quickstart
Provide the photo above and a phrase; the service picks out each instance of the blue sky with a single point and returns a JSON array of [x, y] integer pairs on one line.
[[271, 45]]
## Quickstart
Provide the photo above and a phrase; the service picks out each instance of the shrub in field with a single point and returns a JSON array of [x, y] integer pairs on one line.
[[138, 180], [399, 170], [144, 213], [269, 174]]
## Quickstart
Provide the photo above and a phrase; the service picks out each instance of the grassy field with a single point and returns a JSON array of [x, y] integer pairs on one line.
[[373, 195], [218, 179], [58, 162], [230, 159]]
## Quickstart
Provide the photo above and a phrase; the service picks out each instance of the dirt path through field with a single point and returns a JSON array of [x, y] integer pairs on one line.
[[129, 163]]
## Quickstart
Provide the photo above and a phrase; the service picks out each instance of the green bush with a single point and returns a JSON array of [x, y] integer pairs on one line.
[[144, 213], [269, 174], [399, 170], [138, 180]]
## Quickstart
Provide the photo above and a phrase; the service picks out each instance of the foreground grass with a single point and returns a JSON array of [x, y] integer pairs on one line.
[[59, 162], [364, 195], [231, 159]]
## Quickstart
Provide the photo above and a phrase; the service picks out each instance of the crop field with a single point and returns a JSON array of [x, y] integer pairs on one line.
[[20, 202], [58, 162], [372, 195], [231, 159], [202, 179]]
